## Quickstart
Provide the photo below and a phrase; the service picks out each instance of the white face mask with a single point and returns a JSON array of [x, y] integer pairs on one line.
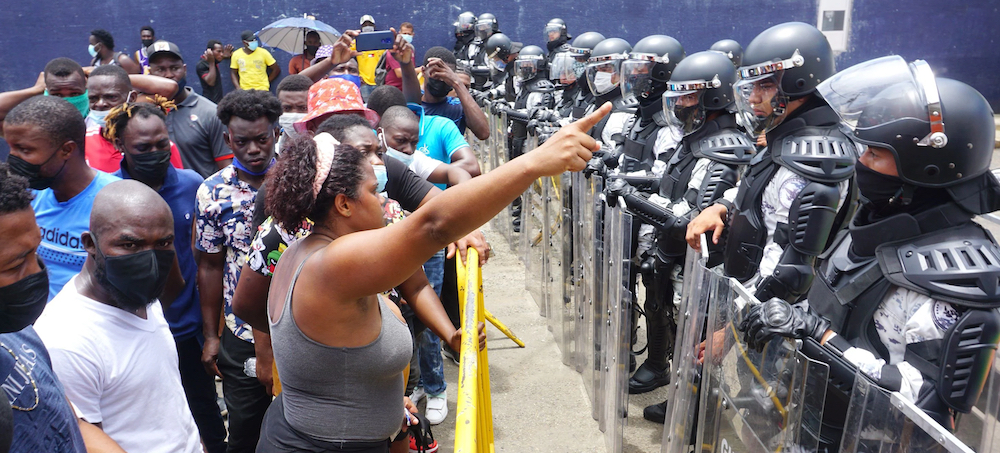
[[97, 116], [406, 159], [286, 120], [368, 29], [602, 82]]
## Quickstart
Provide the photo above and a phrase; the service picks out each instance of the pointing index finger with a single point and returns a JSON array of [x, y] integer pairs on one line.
[[588, 122]]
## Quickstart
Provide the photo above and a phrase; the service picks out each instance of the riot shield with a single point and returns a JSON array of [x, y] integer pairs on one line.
[[883, 421], [756, 401], [533, 230], [618, 266], [584, 202], [558, 261], [698, 287], [600, 305]]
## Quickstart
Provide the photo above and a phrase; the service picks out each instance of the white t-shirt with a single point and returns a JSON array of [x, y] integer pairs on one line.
[[423, 165], [119, 370]]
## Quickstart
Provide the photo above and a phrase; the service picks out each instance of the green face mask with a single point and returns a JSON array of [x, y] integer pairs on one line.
[[80, 102]]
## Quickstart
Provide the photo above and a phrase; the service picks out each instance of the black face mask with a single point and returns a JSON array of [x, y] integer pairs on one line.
[[24, 301], [147, 42], [553, 45], [878, 191], [312, 49], [135, 280], [151, 166], [33, 171], [436, 88]]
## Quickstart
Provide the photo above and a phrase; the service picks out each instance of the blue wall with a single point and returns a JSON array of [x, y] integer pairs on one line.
[[956, 37]]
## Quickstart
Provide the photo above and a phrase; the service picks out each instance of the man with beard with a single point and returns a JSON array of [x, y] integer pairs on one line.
[[110, 344]]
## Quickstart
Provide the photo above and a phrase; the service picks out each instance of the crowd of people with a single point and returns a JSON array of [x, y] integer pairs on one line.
[[299, 239]]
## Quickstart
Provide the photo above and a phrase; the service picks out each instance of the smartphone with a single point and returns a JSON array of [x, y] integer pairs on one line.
[[374, 40]]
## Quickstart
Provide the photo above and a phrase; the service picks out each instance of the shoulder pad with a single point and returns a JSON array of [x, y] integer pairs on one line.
[[542, 86], [958, 265], [619, 104], [821, 154], [727, 146]]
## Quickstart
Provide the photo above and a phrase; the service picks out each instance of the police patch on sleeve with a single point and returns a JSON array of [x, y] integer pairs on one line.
[[944, 315]]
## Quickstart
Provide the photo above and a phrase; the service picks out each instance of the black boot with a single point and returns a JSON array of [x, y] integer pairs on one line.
[[656, 413], [648, 378]]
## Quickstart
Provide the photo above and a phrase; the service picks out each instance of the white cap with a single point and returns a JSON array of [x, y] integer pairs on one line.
[[367, 18]]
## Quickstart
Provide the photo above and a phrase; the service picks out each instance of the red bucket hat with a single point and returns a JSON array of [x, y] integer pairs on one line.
[[330, 96]]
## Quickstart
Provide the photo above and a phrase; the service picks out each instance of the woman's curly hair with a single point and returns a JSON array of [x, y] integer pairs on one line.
[[290, 197]]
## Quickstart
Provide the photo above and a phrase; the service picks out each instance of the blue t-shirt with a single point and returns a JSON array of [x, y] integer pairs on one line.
[[61, 225], [450, 108], [439, 137], [180, 191], [50, 425]]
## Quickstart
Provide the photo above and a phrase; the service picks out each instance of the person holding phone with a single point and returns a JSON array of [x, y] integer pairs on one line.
[[368, 60]]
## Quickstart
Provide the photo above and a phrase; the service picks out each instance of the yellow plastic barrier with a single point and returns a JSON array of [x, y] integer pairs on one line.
[[474, 421]]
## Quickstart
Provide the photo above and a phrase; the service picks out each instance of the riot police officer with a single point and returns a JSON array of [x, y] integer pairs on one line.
[[556, 37], [604, 76], [795, 193], [500, 52], [707, 163], [465, 33], [908, 294], [486, 27], [731, 49], [535, 92], [568, 69]]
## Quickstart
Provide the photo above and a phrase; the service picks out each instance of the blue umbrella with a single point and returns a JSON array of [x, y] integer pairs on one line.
[[289, 34]]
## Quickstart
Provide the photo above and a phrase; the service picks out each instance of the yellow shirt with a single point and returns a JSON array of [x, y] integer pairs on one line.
[[253, 68], [367, 63]]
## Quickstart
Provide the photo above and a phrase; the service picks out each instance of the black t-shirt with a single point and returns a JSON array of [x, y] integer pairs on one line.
[[213, 93], [403, 185]]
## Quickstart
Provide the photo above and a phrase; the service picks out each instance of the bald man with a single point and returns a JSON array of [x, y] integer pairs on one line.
[[109, 342]]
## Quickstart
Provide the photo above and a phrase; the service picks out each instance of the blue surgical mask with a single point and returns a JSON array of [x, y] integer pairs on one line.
[[97, 116], [408, 38], [382, 176], [350, 78], [92, 50], [406, 159], [253, 45]]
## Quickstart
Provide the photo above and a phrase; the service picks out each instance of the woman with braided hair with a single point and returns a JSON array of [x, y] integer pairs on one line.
[[105, 146]]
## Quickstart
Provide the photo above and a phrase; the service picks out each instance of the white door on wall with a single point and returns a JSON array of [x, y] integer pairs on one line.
[[835, 22]]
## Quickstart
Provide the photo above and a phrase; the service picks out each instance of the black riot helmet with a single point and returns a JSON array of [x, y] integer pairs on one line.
[[584, 44], [466, 24], [556, 29], [731, 49], [648, 67], [499, 48], [940, 131], [530, 63], [783, 63], [701, 83], [486, 25], [604, 65]]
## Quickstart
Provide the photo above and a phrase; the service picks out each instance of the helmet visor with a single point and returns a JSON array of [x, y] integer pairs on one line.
[[526, 69], [760, 102], [483, 30], [553, 32], [637, 81], [684, 110], [466, 24], [562, 69], [603, 76]]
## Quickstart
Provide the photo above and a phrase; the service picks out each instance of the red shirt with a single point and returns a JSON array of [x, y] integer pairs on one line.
[[102, 155], [391, 65]]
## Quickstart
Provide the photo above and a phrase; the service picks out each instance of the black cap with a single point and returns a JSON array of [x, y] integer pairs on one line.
[[248, 35], [162, 46]]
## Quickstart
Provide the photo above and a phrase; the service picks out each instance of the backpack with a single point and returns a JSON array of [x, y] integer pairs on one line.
[[380, 69]]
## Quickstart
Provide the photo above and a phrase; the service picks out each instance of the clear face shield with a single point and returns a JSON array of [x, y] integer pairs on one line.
[[637, 79], [760, 102], [484, 29], [683, 107], [465, 25], [563, 69], [603, 73], [526, 68], [886, 90], [552, 32]]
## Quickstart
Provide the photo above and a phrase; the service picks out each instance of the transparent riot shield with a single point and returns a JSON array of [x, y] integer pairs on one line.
[[756, 401], [584, 203], [618, 265], [558, 259], [698, 287], [883, 421], [600, 305], [533, 231]]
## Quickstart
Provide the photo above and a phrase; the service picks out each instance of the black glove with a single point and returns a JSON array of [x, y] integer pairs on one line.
[[596, 165], [777, 317], [619, 188]]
